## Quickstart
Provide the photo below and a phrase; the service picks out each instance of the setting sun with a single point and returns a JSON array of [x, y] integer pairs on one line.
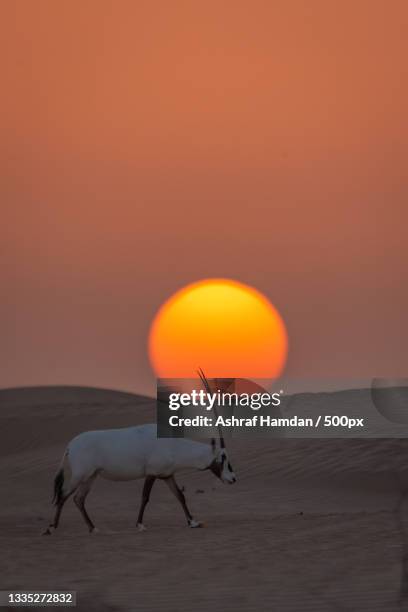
[[227, 328]]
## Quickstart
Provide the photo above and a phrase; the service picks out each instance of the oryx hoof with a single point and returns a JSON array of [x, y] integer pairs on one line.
[[195, 524], [49, 530], [141, 527]]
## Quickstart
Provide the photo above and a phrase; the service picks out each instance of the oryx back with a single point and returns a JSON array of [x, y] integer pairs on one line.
[[133, 452]]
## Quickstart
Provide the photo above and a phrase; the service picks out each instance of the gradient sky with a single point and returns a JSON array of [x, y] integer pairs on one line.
[[145, 145]]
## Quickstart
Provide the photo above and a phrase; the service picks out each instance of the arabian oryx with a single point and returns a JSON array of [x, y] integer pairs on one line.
[[131, 453]]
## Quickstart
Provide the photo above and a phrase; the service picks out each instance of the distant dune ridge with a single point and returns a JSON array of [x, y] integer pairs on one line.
[[53, 395], [331, 502]]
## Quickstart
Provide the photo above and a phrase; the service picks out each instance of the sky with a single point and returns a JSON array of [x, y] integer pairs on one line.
[[146, 145]]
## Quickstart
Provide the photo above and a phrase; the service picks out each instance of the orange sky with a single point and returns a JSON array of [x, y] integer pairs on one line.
[[145, 145]]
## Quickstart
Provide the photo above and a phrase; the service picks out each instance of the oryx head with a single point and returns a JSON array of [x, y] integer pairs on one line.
[[220, 465]]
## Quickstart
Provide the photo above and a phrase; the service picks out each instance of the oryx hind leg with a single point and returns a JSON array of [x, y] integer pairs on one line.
[[174, 488], [59, 504], [52, 526], [79, 499]]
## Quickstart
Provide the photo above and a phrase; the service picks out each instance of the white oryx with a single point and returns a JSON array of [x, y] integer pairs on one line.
[[129, 454]]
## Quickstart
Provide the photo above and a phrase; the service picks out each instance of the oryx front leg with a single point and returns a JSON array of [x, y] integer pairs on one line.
[[147, 487], [172, 484]]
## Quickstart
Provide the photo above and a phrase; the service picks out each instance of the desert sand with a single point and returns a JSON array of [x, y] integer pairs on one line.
[[310, 524]]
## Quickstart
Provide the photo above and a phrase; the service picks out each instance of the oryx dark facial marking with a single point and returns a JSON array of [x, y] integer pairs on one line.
[[216, 468], [222, 468]]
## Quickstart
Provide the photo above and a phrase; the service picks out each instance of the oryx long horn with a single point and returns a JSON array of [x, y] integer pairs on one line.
[[208, 389]]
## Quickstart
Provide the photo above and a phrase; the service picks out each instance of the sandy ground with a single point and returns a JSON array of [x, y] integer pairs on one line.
[[310, 525]]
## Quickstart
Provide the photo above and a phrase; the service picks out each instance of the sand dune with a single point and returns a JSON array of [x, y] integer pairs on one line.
[[310, 525]]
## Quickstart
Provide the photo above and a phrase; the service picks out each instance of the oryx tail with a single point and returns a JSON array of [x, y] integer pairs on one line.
[[59, 480]]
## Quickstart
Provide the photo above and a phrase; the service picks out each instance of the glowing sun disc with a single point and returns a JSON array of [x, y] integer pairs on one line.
[[227, 328]]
